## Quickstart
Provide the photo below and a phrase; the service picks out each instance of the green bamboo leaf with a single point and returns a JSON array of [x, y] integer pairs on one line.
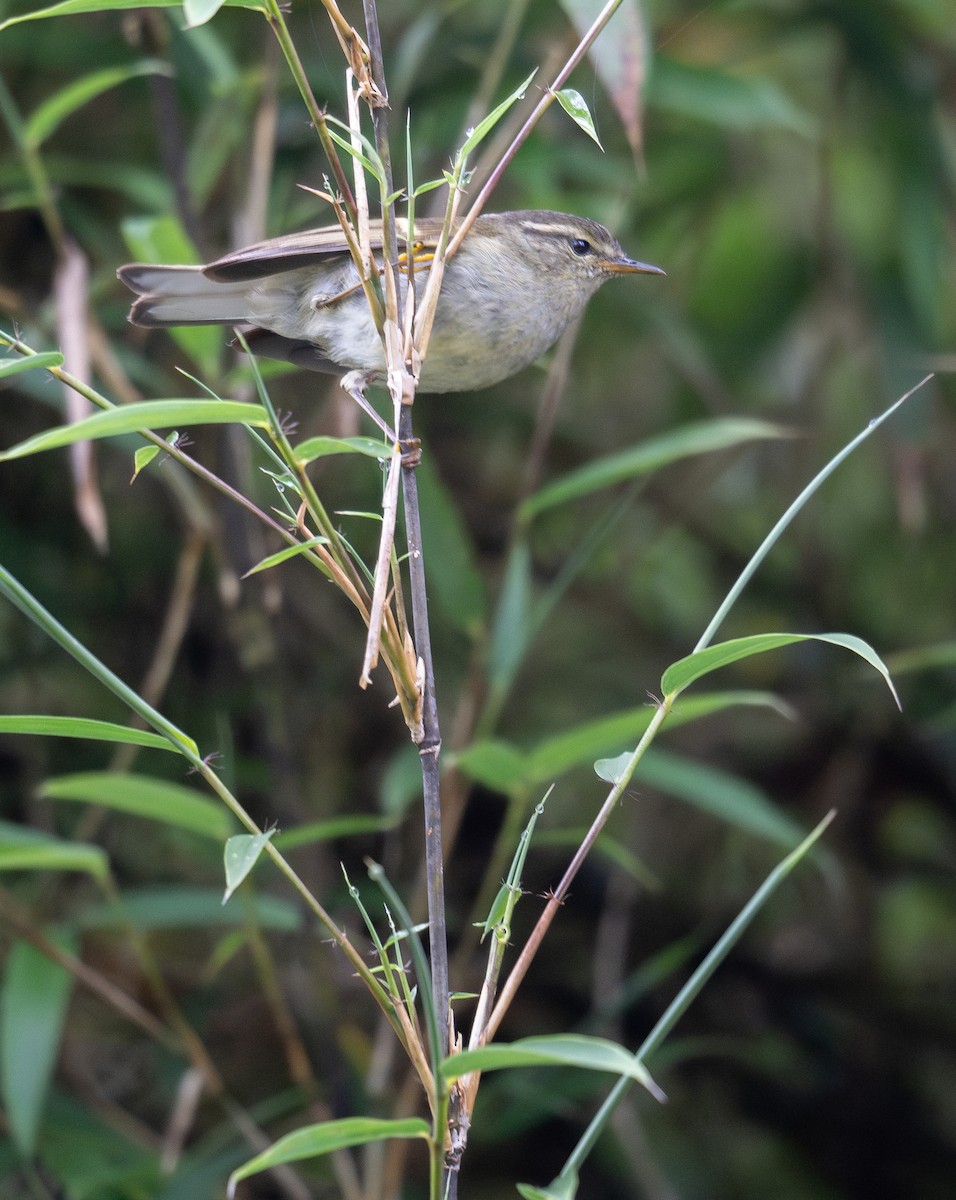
[[25, 849], [320, 447], [682, 673], [32, 362], [69, 8], [178, 907], [142, 796], [577, 109], [620, 58], [281, 556], [565, 1184], [495, 763], [133, 418], [17, 594], [733, 800], [456, 582], [198, 12], [240, 855], [62, 104], [142, 458], [82, 727], [730, 101], [612, 770], [313, 1140], [697, 438], [565, 1187], [353, 825], [484, 127], [727, 797], [585, 742], [33, 1004], [557, 1050], [513, 626]]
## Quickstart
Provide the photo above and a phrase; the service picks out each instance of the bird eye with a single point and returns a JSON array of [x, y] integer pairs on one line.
[[581, 247]]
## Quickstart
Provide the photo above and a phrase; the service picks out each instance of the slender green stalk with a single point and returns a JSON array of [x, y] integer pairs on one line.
[[690, 990], [773, 536], [530, 948], [316, 114]]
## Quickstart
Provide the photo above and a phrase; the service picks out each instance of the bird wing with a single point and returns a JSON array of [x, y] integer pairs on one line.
[[293, 250]]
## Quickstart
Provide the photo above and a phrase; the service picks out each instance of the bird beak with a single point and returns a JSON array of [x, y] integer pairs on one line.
[[629, 266]]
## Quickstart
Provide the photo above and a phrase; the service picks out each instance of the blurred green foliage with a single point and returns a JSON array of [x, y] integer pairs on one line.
[[796, 179]]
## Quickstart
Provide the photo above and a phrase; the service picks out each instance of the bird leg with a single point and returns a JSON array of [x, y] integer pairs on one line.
[[355, 383]]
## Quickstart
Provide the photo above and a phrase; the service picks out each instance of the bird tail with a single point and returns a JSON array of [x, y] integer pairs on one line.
[[182, 296]]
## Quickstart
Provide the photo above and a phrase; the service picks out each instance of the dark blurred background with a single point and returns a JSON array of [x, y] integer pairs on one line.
[[792, 168]]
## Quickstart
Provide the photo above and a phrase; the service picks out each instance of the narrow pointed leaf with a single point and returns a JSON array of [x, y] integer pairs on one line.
[[142, 458], [281, 556], [33, 1005], [685, 671], [62, 104], [697, 438], [321, 447], [141, 796], [736, 801], [27, 603], [619, 57], [83, 727], [495, 763], [577, 109], [132, 418], [69, 8], [583, 743], [565, 1050], [325, 1138], [456, 582], [32, 362], [175, 906], [25, 849], [484, 127]]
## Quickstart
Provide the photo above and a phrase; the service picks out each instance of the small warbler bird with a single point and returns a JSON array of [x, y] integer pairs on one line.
[[517, 282]]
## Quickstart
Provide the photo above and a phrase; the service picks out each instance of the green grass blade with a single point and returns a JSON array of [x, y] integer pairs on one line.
[[314, 1140], [718, 793], [69, 8], [701, 437], [83, 727], [685, 671], [679, 1006], [25, 849], [320, 447], [141, 796], [134, 418], [62, 104], [557, 1050], [33, 1005], [174, 906], [35, 363], [18, 595], [772, 537]]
